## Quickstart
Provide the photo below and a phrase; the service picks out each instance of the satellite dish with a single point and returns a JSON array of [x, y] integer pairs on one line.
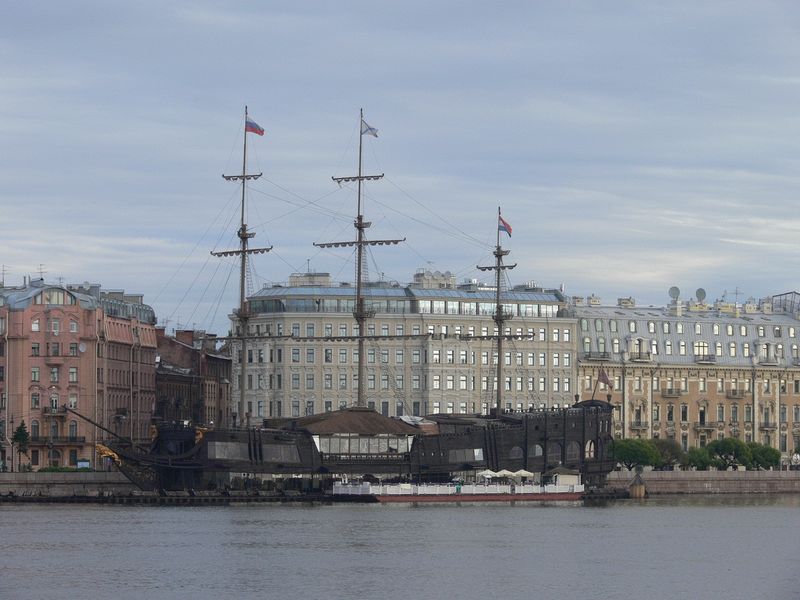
[[674, 292], [701, 294], [82, 347]]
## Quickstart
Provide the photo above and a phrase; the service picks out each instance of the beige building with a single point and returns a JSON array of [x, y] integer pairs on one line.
[[430, 348], [78, 348], [696, 372]]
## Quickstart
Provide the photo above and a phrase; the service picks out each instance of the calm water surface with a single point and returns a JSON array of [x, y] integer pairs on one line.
[[711, 547]]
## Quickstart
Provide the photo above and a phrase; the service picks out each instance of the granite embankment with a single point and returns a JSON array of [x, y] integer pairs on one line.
[[65, 484], [710, 482]]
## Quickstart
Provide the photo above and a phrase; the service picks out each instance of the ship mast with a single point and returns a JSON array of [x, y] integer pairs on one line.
[[360, 312], [243, 311], [500, 316]]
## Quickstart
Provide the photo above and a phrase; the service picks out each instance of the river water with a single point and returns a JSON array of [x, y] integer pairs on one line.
[[669, 547]]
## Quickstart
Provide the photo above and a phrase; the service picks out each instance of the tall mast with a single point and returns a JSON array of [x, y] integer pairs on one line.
[[243, 312], [360, 313], [500, 317]]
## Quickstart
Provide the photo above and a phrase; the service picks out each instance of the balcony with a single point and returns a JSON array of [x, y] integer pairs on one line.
[[596, 356], [73, 439], [640, 357], [54, 361], [57, 411], [705, 425], [670, 393], [768, 425], [768, 361], [705, 359], [735, 394], [639, 425]]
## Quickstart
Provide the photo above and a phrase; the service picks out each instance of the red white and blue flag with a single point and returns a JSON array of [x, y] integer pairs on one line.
[[502, 225], [251, 126]]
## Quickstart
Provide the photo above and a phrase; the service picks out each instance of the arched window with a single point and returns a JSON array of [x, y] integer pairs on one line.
[[573, 452], [615, 345], [653, 346], [718, 348], [632, 326], [665, 327], [598, 325], [601, 344], [589, 451], [715, 328], [584, 325], [651, 327], [535, 450], [587, 344], [678, 327], [612, 326]]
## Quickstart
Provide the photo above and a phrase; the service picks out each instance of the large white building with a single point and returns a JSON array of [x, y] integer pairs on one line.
[[429, 350]]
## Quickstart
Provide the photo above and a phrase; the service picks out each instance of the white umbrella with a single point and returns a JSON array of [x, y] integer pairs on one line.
[[523, 473], [487, 473], [505, 473]]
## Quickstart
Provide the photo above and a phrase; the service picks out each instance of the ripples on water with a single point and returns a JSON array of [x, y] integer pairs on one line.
[[680, 547]]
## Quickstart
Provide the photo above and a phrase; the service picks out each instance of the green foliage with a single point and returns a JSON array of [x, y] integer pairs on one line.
[[669, 451], [764, 456], [729, 452], [635, 452], [699, 458], [21, 438]]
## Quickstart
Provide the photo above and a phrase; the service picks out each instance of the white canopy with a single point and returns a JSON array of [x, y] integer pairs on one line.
[[505, 473], [487, 473], [523, 473]]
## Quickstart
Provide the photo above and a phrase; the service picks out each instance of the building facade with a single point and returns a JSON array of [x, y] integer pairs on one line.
[[192, 379], [78, 348], [431, 348], [695, 372]]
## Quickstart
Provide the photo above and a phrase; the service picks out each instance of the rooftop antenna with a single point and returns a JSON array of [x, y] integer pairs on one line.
[[244, 234], [4, 270], [361, 314], [41, 271]]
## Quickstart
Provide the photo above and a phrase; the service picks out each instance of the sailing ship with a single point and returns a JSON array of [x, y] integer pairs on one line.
[[357, 441]]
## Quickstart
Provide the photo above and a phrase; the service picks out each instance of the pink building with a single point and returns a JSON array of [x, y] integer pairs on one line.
[[73, 347]]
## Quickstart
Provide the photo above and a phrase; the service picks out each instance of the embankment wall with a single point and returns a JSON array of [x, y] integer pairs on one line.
[[65, 484], [710, 482]]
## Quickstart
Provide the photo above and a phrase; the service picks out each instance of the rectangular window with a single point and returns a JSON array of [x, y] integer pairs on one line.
[[309, 381], [295, 381], [35, 350], [73, 374], [73, 349], [310, 356], [53, 374]]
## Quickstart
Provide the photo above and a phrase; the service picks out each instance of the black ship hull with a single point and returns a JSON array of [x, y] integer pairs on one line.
[[181, 458]]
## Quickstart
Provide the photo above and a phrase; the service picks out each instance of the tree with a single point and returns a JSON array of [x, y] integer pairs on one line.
[[635, 452], [764, 456], [729, 452], [21, 439], [699, 458], [669, 451]]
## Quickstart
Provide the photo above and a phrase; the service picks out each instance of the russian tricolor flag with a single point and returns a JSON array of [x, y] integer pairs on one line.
[[253, 127], [502, 225]]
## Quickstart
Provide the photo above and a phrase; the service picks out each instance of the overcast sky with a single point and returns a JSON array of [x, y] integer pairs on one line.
[[632, 146]]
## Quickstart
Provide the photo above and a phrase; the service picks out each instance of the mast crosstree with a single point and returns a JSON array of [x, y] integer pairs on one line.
[[244, 236], [361, 313]]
